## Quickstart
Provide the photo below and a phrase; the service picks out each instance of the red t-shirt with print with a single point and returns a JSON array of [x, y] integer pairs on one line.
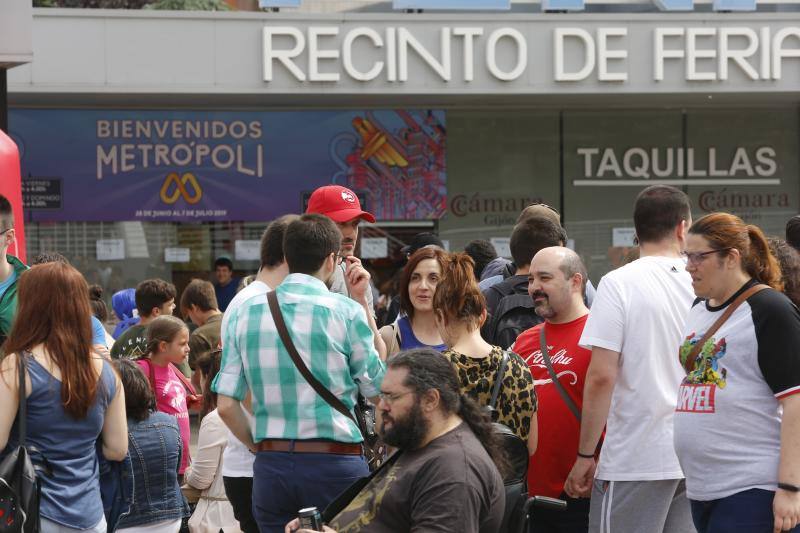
[[559, 430]]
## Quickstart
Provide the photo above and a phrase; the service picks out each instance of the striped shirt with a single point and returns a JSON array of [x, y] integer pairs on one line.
[[333, 337]]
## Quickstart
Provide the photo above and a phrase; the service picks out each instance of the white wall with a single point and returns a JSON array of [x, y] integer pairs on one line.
[[16, 21]]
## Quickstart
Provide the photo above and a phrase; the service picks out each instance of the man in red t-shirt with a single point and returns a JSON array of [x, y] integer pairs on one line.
[[556, 283]]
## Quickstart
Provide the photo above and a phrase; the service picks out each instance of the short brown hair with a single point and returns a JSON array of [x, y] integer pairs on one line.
[[152, 293], [201, 294], [272, 241]]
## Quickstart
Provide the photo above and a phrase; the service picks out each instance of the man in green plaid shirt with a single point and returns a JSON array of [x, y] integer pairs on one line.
[[307, 452]]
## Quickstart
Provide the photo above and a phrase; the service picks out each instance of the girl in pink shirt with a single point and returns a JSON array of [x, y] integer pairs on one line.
[[168, 345]]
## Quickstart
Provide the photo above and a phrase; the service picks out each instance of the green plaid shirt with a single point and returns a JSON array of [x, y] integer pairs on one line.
[[332, 336]]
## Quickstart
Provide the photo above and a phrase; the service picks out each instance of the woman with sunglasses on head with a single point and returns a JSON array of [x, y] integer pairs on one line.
[[416, 327], [737, 422]]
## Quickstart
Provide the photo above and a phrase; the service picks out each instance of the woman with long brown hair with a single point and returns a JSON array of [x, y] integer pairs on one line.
[[737, 422], [460, 311], [73, 396], [416, 327]]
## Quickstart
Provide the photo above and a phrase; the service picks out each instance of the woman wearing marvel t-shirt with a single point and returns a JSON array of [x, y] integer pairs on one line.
[[739, 450]]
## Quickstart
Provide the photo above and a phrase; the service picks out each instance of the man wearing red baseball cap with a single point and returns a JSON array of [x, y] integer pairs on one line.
[[341, 205]]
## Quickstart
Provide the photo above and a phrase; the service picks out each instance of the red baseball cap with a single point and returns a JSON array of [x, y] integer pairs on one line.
[[338, 203]]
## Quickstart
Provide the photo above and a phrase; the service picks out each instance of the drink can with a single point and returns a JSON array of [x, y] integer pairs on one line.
[[310, 518]]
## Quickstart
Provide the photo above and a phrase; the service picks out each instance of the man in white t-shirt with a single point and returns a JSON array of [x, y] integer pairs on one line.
[[634, 331], [237, 460]]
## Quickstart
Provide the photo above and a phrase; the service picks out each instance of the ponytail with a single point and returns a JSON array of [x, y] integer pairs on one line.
[[457, 295], [480, 422], [760, 262], [725, 231]]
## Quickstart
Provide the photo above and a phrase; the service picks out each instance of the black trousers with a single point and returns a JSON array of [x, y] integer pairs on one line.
[[240, 493], [574, 519]]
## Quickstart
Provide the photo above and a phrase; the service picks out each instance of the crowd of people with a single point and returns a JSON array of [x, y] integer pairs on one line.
[[663, 401]]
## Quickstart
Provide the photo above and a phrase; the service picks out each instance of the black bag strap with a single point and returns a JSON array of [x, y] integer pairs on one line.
[[498, 380], [283, 332], [22, 409], [556, 382]]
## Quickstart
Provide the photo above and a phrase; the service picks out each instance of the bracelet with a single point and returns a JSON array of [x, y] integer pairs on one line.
[[586, 455], [788, 487]]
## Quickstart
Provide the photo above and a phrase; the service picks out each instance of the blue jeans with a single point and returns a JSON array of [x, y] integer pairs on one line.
[[285, 482], [749, 511]]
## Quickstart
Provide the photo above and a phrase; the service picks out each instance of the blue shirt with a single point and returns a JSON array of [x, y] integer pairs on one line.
[[98, 332], [225, 294]]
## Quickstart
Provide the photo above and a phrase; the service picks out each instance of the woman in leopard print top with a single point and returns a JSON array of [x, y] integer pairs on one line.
[[460, 310]]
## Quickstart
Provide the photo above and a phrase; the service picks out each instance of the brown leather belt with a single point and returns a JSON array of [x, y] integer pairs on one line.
[[309, 446]]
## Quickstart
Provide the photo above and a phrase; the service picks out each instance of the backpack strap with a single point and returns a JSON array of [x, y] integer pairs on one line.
[[556, 382], [22, 408], [498, 380]]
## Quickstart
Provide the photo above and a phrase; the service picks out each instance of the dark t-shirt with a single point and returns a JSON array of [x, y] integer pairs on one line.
[[449, 485], [225, 294], [132, 344]]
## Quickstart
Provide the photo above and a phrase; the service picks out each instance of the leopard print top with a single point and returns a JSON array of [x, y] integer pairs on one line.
[[516, 402]]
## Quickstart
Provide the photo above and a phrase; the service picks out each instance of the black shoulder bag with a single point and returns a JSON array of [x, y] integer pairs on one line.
[[374, 449], [556, 382], [19, 489]]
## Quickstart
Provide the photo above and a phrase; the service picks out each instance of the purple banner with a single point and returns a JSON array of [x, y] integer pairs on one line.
[[97, 165]]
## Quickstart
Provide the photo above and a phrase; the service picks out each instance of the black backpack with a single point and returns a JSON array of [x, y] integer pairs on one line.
[[514, 314]]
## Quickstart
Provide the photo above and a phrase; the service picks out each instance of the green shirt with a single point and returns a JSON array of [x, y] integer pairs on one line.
[[8, 300], [332, 336], [204, 339]]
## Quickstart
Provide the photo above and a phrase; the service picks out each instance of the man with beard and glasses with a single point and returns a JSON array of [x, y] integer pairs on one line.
[[445, 476], [307, 451], [556, 283]]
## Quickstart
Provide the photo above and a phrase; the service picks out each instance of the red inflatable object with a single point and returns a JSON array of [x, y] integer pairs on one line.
[[11, 188]]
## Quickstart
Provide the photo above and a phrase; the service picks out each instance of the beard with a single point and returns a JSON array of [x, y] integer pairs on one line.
[[542, 307], [406, 433]]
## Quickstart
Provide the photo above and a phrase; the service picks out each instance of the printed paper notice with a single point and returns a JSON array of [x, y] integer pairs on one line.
[[247, 250], [110, 249], [374, 247], [502, 245], [623, 237], [177, 255]]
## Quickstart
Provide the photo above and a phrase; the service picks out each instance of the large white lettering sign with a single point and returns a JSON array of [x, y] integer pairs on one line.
[[677, 166], [331, 54]]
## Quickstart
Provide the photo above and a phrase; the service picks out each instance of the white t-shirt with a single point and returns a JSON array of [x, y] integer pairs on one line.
[[237, 460], [728, 420], [639, 311]]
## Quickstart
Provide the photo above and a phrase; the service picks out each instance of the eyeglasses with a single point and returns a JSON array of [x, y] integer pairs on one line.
[[696, 258], [391, 397], [337, 258]]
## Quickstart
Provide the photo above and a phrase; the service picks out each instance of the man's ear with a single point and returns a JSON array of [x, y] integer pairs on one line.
[[430, 400]]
